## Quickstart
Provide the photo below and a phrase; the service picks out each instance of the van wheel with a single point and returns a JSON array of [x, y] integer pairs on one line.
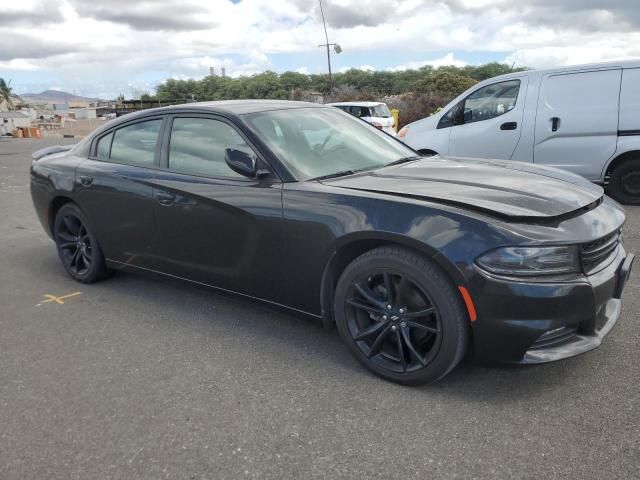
[[624, 183]]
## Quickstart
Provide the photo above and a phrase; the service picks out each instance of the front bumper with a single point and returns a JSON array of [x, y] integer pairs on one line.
[[529, 323]]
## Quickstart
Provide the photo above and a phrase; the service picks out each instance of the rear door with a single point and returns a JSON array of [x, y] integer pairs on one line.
[[577, 120], [114, 190], [216, 226], [489, 121]]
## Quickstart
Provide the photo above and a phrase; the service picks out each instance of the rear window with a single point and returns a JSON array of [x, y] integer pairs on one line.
[[136, 144], [380, 111]]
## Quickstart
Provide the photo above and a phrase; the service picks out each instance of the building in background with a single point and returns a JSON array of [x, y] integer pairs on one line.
[[9, 121]]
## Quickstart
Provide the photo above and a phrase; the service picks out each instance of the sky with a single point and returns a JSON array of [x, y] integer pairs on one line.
[[101, 48]]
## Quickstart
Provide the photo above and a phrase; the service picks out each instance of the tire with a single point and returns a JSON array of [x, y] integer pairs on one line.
[[78, 248], [624, 182], [427, 318]]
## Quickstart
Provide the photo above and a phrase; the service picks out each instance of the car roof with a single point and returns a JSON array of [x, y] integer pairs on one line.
[[236, 107], [355, 104], [233, 107]]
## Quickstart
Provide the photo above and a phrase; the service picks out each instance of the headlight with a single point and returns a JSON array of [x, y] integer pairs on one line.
[[531, 261], [403, 131]]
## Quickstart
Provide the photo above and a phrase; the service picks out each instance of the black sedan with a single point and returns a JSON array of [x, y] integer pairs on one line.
[[418, 261]]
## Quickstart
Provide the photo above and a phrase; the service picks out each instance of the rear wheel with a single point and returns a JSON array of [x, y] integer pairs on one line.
[[77, 246], [624, 182], [401, 316]]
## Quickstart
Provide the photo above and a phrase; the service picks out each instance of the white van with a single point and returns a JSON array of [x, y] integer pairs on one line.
[[585, 119]]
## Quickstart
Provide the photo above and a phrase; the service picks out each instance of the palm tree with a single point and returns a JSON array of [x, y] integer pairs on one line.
[[5, 93]]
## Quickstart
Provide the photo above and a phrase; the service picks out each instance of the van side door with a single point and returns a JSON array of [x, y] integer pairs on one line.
[[577, 120]]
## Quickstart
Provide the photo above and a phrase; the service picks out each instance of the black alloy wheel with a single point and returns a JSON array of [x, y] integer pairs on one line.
[[401, 316], [393, 321], [75, 244], [77, 247]]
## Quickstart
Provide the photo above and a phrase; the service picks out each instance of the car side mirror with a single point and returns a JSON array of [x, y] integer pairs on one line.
[[468, 115], [241, 162]]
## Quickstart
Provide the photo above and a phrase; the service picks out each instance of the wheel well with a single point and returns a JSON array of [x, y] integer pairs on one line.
[[426, 151], [620, 159], [54, 206], [339, 261]]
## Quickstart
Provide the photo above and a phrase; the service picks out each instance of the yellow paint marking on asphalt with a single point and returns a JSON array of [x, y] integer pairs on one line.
[[59, 300]]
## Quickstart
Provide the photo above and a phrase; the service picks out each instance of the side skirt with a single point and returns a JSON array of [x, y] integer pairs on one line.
[[126, 267]]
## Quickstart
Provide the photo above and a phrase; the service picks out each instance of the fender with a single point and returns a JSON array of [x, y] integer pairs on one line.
[[354, 244]]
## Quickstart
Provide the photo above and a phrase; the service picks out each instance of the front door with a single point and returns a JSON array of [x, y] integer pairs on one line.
[[490, 121], [577, 121], [216, 226]]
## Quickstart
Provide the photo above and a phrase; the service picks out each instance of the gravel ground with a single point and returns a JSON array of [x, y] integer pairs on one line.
[[137, 377]]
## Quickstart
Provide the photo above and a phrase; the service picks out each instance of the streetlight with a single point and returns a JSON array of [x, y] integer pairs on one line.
[[336, 47]]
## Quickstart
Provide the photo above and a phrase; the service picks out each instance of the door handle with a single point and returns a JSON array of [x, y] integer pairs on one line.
[[509, 126], [555, 123], [165, 198], [86, 180]]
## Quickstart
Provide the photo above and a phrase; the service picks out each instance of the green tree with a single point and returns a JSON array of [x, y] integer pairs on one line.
[[6, 93], [294, 80], [444, 84]]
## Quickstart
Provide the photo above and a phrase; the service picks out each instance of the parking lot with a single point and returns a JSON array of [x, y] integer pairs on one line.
[[137, 377]]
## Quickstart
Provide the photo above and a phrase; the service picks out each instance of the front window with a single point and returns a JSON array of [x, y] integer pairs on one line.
[[491, 101], [316, 142], [197, 146]]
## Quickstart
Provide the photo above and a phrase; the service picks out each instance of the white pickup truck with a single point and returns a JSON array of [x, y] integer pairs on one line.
[[585, 119]]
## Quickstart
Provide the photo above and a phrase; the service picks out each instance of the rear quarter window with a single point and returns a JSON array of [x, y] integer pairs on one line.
[[103, 148]]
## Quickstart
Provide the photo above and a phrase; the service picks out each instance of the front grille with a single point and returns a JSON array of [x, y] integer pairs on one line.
[[554, 337], [596, 254]]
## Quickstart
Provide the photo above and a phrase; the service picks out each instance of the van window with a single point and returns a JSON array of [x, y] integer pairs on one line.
[[136, 144], [491, 101], [450, 118]]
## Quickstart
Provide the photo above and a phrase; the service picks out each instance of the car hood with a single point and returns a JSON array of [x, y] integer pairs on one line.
[[504, 188]]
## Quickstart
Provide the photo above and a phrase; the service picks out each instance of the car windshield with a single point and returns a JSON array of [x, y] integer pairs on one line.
[[320, 142]]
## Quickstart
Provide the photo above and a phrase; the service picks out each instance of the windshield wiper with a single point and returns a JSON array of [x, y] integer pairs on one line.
[[342, 173], [404, 160]]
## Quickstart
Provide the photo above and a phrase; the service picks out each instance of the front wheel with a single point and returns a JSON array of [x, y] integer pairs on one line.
[[624, 182], [78, 248], [401, 316]]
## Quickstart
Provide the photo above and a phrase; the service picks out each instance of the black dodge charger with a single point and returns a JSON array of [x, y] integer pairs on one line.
[[418, 261]]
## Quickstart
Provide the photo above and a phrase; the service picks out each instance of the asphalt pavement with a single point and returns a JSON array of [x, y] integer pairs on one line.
[[138, 377]]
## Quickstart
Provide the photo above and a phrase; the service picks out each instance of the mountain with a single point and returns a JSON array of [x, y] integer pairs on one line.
[[54, 96]]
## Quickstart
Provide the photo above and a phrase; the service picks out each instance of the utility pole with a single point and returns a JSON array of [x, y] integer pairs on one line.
[[335, 46]]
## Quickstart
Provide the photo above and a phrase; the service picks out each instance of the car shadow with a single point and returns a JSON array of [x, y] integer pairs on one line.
[[297, 337]]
